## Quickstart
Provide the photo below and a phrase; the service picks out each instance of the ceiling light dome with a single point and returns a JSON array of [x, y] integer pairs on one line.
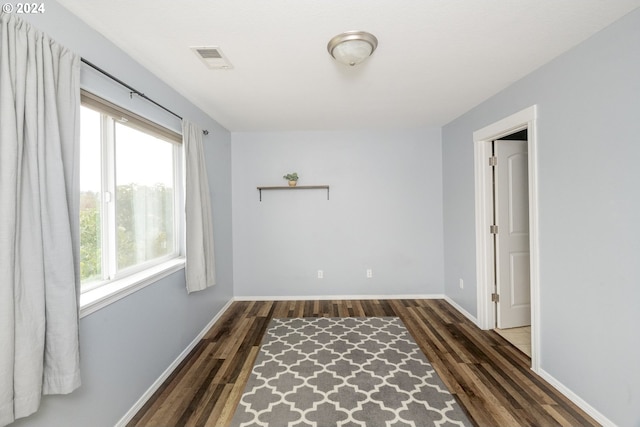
[[352, 47]]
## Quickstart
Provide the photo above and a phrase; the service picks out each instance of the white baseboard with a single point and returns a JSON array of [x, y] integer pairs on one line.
[[595, 414], [334, 297], [161, 379], [462, 311]]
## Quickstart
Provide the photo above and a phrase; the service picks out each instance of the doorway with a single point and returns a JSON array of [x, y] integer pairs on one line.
[[512, 289], [511, 230], [488, 247]]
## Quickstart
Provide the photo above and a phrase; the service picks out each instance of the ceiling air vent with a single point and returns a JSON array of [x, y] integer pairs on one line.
[[209, 53], [213, 57]]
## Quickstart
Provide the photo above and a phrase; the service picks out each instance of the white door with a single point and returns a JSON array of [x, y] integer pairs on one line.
[[512, 239]]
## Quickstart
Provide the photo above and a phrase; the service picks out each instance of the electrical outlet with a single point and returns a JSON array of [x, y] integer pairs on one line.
[[369, 273], [320, 274], [461, 284]]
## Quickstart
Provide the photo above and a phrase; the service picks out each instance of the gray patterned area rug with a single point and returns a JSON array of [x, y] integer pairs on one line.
[[349, 372]]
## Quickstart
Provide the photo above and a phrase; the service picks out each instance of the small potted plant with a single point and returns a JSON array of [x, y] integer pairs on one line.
[[292, 178]]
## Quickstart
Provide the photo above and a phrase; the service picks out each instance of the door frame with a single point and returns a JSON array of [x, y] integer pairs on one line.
[[482, 139]]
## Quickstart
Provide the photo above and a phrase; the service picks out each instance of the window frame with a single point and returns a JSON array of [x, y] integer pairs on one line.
[[97, 294]]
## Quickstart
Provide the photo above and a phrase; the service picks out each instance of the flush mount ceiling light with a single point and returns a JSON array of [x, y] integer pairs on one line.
[[352, 47]]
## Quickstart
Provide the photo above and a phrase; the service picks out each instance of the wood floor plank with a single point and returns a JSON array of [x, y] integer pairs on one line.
[[218, 407], [491, 379], [203, 399], [236, 393]]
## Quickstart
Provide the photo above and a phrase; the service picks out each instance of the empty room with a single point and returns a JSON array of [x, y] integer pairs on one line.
[[334, 213]]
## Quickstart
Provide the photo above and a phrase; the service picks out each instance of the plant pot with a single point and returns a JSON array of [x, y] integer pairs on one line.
[[292, 183]]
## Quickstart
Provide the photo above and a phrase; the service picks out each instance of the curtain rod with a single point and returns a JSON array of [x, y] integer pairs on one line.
[[133, 90]]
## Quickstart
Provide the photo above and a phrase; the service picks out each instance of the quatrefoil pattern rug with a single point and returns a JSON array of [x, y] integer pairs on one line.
[[348, 372]]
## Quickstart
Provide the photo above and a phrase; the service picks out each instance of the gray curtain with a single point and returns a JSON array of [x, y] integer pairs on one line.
[[39, 141], [200, 266]]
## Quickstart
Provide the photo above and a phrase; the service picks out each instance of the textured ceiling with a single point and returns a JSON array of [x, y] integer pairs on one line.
[[436, 59]]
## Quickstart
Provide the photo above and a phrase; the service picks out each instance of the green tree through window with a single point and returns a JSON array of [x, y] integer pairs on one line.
[[127, 198]]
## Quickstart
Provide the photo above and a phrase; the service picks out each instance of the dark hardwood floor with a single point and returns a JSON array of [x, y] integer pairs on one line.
[[490, 378]]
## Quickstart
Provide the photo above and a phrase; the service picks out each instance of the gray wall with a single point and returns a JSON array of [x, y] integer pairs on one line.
[[589, 195], [385, 213], [126, 346]]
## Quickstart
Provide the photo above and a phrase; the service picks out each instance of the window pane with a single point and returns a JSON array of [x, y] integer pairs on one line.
[[90, 187], [144, 197]]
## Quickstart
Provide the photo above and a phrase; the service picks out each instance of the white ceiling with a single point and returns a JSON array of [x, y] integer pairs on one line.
[[436, 59]]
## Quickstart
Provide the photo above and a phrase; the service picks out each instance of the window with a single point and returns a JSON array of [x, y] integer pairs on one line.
[[130, 181]]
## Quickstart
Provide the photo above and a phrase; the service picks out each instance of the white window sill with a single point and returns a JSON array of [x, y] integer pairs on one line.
[[95, 299]]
